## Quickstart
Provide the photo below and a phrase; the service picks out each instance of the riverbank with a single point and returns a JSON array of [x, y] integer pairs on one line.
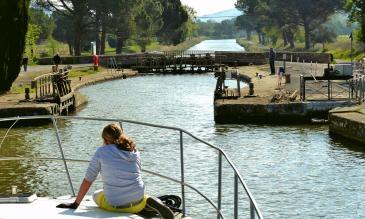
[[339, 48], [14, 104]]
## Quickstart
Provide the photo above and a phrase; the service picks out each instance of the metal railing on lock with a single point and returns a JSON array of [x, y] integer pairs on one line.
[[188, 53], [238, 179], [357, 88], [330, 88]]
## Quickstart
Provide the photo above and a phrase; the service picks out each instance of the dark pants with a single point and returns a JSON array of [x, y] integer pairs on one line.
[[272, 67]]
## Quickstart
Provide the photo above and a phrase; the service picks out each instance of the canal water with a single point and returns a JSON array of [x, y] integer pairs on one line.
[[292, 171], [218, 45]]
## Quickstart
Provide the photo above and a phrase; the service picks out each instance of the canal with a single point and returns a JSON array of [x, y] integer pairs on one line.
[[292, 171]]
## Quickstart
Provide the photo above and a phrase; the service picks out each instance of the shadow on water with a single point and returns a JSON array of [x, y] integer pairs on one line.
[[340, 142]]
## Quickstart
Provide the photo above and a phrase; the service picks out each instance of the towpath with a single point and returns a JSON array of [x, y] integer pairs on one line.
[[15, 97]]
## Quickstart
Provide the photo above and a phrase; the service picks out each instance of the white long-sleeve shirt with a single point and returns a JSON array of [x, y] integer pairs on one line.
[[121, 174]]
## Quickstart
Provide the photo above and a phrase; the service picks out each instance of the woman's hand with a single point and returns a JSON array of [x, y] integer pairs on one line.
[[73, 205]]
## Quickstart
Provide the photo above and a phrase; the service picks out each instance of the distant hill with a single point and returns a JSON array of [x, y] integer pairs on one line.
[[221, 15]]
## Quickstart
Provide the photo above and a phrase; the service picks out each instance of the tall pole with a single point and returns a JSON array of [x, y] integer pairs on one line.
[[352, 56]]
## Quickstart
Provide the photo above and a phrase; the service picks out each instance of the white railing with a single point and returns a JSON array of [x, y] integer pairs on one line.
[[238, 179]]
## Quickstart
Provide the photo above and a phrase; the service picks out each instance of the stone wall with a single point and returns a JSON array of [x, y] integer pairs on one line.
[[304, 57], [241, 58], [125, 60], [273, 113], [348, 125], [250, 58]]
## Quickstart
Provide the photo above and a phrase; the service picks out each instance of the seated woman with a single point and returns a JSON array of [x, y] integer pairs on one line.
[[119, 164]]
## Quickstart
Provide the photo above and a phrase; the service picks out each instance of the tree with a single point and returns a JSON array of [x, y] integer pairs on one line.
[[43, 21], [312, 13], [64, 30], [77, 11], [31, 39], [357, 14], [174, 17], [14, 19], [190, 25], [287, 15], [323, 34], [123, 20], [101, 11], [148, 22], [246, 22]]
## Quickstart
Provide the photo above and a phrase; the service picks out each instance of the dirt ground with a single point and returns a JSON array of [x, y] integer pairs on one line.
[[267, 86]]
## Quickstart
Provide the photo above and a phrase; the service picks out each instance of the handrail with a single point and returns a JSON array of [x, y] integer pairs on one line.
[[87, 161], [44, 84], [253, 205]]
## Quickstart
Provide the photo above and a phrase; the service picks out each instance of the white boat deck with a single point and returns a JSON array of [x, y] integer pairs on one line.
[[45, 208]]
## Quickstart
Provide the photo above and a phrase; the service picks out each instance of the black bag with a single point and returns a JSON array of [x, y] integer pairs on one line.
[[171, 201]]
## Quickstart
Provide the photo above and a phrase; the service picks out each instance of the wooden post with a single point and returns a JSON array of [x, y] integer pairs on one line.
[[329, 89], [238, 85]]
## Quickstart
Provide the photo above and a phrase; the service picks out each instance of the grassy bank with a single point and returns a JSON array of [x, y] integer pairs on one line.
[[341, 48], [51, 47]]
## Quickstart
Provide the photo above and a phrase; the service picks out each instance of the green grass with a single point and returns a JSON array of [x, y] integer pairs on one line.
[[20, 89], [49, 47], [83, 72], [341, 48]]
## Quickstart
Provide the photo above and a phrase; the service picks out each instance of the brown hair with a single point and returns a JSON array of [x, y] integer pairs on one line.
[[114, 134]]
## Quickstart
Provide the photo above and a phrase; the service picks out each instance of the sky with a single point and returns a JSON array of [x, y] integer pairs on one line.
[[205, 7]]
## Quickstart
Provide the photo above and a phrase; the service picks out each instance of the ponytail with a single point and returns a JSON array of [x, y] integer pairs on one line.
[[113, 133]]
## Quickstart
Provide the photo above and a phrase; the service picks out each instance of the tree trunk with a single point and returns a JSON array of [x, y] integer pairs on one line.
[[260, 39], [363, 24], [291, 40], [263, 39], [143, 47], [103, 37], [77, 43], [285, 38], [120, 43], [14, 19], [307, 34], [70, 49], [77, 35], [249, 34], [97, 32]]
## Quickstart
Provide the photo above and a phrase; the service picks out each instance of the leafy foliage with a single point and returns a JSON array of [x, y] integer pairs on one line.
[[272, 18], [45, 22], [357, 14], [12, 40], [31, 39]]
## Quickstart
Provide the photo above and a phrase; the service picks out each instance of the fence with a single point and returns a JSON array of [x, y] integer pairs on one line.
[[325, 88], [357, 90]]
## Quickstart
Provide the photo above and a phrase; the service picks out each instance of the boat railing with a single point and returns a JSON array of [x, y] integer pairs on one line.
[[238, 179]]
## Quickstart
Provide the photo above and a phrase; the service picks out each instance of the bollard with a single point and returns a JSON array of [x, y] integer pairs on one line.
[[251, 86], [14, 190], [27, 91], [287, 78], [54, 68]]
